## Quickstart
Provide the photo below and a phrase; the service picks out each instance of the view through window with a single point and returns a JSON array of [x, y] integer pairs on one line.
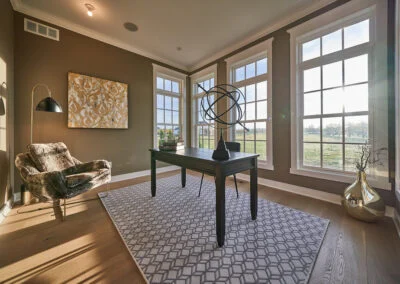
[[251, 78], [334, 72], [204, 131], [168, 104]]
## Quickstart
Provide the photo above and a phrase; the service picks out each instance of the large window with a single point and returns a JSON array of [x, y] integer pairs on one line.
[[334, 93], [169, 92], [251, 73], [203, 135], [335, 96]]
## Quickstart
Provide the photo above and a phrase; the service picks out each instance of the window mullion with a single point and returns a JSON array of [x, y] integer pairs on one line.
[[321, 126], [343, 114]]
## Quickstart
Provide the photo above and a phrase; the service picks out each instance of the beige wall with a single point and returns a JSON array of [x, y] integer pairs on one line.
[[281, 112], [6, 76], [41, 60]]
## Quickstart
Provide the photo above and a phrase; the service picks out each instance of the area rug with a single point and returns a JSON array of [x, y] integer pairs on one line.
[[172, 236]]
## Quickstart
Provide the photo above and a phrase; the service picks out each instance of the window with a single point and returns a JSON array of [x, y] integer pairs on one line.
[[397, 80], [203, 133], [169, 92], [333, 94], [250, 71]]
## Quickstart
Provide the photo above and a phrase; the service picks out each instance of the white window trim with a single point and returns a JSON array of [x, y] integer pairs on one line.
[[397, 92], [247, 55], [175, 75], [349, 12], [197, 77]]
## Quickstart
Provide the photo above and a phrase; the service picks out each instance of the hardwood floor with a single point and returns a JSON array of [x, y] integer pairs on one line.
[[36, 248]]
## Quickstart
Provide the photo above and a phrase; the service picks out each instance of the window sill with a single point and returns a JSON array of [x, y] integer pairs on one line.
[[381, 182], [265, 166]]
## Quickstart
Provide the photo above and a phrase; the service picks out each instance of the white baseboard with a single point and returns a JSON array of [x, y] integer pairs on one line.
[[305, 191], [144, 173], [5, 210]]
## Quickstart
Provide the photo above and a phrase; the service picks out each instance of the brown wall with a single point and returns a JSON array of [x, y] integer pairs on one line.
[[281, 110], [41, 60], [7, 76]]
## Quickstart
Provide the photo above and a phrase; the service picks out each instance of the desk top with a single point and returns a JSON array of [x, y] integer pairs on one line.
[[206, 154]]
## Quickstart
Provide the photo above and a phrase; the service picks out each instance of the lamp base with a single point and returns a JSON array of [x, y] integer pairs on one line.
[[221, 153]]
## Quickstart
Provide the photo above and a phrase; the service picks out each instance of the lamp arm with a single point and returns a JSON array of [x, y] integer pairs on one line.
[[32, 95]]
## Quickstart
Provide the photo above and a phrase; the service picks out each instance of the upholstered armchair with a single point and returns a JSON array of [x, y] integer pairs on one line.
[[49, 172]]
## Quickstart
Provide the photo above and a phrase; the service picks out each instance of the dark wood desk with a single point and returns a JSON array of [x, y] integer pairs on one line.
[[201, 160]]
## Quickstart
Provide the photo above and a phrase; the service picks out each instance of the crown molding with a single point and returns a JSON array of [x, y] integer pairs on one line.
[[271, 28], [19, 6], [15, 4], [169, 72], [204, 72], [255, 50], [44, 16]]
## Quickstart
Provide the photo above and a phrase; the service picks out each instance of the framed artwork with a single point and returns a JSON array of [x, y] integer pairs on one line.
[[96, 103]]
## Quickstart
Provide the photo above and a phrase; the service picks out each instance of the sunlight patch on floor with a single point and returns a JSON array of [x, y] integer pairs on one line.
[[64, 257]]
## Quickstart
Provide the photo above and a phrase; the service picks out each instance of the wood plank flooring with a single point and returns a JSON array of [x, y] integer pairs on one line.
[[86, 248]]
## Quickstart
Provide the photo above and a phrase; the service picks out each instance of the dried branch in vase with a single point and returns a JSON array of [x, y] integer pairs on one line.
[[368, 157]]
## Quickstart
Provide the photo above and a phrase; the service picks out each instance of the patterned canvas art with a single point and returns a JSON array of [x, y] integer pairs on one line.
[[96, 103]]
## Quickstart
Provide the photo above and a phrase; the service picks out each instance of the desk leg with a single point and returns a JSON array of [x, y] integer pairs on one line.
[[253, 191], [220, 206], [183, 177], [153, 175]]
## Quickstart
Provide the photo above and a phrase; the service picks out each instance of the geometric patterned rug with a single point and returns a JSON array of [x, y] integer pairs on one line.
[[173, 240]]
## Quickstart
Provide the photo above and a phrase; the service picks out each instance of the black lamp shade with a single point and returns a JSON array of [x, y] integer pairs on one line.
[[2, 108], [48, 104]]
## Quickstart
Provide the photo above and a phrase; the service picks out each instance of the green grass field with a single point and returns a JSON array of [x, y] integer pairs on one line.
[[332, 154]]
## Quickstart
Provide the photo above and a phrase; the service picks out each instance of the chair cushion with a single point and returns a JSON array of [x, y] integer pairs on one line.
[[81, 178], [51, 156]]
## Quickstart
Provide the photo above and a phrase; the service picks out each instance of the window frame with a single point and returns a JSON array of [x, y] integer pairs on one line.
[[345, 15], [397, 100], [166, 73], [263, 49], [207, 73]]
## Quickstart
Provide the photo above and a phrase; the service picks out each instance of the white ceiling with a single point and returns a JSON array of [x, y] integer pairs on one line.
[[204, 29]]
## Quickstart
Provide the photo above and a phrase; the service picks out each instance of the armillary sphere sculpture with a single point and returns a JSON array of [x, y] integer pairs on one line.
[[208, 113]]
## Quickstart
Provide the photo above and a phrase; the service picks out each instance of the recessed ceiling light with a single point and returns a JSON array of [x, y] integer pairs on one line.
[[131, 27], [90, 8]]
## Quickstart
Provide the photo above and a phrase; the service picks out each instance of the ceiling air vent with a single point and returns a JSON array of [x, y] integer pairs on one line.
[[40, 29]]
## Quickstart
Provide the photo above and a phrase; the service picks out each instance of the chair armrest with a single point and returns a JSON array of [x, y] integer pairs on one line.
[[92, 166], [46, 177], [50, 185]]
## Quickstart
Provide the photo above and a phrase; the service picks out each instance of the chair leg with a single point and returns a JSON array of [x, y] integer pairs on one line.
[[58, 214], [237, 192], [65, 209], [201, 183]]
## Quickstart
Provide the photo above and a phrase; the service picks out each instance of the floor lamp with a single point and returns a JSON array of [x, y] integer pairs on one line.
[[48, 104]]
